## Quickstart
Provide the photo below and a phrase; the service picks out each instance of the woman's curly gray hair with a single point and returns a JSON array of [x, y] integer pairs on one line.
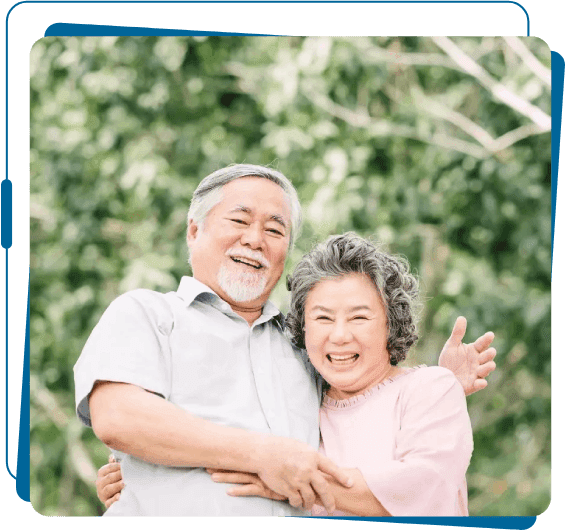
[[350, 253]]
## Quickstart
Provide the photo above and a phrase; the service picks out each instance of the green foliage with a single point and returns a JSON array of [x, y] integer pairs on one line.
[[390, 137]]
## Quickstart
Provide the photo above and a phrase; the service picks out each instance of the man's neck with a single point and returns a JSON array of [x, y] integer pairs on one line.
[[250, 315], [249, 311]]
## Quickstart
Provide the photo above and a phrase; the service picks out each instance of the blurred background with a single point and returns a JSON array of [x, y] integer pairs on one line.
[[439, 148]]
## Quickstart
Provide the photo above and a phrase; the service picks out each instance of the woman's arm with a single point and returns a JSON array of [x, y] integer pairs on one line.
[[357, 500], [432, 451]]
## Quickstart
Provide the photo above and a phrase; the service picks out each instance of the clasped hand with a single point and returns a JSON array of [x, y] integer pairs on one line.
[[290, 470]]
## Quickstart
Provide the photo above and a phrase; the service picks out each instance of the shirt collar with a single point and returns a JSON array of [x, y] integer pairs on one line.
[[270, 310], [190, 288]]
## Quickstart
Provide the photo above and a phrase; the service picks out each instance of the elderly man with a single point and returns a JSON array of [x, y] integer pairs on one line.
[[205, 378]]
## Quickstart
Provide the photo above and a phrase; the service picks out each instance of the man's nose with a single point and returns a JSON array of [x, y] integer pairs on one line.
[[253, 236], [340, 333]]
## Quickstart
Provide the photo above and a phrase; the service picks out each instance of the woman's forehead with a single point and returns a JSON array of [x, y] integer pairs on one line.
[[352, 291]]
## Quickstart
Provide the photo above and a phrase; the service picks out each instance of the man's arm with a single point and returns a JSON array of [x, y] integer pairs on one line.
[[470, 363], [134, 421]]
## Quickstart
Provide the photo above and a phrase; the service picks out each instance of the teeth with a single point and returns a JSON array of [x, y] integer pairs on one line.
[[251, 263], [342, 358]]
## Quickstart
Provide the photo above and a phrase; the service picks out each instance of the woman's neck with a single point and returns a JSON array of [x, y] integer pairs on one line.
[[339, 394]]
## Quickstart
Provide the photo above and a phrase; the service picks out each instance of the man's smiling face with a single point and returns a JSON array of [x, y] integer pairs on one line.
[[240, 249]]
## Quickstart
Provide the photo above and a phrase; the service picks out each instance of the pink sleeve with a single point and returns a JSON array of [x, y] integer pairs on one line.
[[433, 449]]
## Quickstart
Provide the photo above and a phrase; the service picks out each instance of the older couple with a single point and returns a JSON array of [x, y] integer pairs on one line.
[[206, 378]]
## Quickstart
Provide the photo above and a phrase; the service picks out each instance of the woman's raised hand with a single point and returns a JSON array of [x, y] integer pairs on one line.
[[470, 363]]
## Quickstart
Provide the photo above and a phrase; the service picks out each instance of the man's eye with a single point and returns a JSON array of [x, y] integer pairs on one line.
[[274, 231], [238, 221]]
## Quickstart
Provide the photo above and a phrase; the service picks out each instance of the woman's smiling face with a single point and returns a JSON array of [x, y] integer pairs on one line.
[[346, 334]]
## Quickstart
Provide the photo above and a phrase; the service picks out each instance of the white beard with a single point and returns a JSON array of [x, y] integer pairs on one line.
[[241, 286]]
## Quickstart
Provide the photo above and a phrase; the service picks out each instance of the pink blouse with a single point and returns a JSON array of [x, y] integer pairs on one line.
[[411, 438]]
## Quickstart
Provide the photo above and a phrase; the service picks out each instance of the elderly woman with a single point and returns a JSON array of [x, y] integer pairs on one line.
[[403, 433], [406, 430]]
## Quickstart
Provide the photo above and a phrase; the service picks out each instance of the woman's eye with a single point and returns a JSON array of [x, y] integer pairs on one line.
[[323, 318], [359, 317]]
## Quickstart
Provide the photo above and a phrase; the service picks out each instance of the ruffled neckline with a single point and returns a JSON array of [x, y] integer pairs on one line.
[[360, 398]]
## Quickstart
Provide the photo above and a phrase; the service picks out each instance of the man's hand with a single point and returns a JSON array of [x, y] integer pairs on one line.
[[109, 483], [470, 363], [296, 471]]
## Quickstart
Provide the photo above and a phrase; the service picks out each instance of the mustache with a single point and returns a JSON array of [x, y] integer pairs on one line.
[[249, 254]]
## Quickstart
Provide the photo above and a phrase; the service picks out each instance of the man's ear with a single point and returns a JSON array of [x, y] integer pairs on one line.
[[192, 232]]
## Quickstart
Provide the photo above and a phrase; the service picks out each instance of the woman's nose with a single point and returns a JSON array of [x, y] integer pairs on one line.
[[340, 333]]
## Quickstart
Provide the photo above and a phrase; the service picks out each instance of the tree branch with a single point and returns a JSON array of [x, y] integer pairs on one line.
[[472, 129], [512, 137], [435, 108], [501, 92], [387, 128], [530, 60]]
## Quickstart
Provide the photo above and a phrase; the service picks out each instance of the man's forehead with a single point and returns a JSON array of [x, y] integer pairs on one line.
[[253, 194]]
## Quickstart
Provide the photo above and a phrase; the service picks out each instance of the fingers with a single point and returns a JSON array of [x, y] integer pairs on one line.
[[110, 478], [234, 478], [111, 459], [482, 343], [485, 369], [110, 490], [458, 331], [327, 466], [295, 499], [108, 469], [321, 487], [487, 355], [106, 489], [248, 490], [479, 384], [111, 501], [254, 490], [308, 497]]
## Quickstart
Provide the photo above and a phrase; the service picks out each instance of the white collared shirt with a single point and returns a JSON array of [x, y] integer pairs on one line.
[[191, 348]]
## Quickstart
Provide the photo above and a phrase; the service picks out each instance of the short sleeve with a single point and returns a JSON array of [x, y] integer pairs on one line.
[[130, 344], [433, 449]]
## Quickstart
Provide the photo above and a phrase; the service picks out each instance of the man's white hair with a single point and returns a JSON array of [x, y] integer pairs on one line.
[[209, 193]]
